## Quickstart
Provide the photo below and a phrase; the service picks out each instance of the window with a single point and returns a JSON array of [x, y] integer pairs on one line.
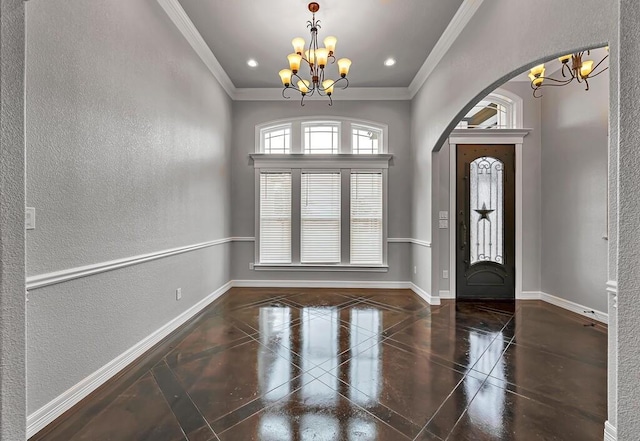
[[366, 218], [366, 140], [321, 138], [275, 217], [320, 218], [323, 203], [276, 140]]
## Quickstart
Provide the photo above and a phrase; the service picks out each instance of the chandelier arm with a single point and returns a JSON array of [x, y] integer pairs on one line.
[[566, 65], [536, 89], [283, 95], [330, 100], [561, 82], [595, 75], [596, 66]]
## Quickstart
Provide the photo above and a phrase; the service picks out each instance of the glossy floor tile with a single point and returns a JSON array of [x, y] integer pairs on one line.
[[356, 365]]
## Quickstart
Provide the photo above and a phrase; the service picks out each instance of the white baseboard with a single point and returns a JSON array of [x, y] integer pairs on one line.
[[446, 294], [319, 284], [529, 295], [432, 300], [610, 432], [600, 316], [59, 405]]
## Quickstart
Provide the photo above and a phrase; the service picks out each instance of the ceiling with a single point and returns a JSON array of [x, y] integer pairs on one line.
[[368, 32]]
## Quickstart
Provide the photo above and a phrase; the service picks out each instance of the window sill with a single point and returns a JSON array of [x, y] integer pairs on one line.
[[301, 160], [309, 267]]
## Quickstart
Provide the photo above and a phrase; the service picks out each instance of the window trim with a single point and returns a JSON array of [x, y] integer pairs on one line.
[[296, 164], [344, 161]]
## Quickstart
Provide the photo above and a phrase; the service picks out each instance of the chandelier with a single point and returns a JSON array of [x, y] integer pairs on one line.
[[574, 67], [316, 59]]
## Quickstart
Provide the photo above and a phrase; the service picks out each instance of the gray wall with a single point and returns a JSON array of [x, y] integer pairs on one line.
[[128, 141], [247, 114], [12, 309], [574, 192]]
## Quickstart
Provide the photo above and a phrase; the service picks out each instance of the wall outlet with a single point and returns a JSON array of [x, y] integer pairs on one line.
[[250, 265], [443, 215], [178, 293], [445, 274], [443, 224], [415, 270]]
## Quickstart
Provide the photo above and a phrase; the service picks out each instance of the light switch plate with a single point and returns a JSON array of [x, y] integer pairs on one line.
[[443, 224], [30, 218], [443, 215]]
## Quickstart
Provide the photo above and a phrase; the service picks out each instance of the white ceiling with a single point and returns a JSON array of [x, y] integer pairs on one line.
[[368, 32]]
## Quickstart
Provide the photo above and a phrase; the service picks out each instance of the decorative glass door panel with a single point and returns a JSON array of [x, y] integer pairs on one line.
[[486, 227], [485, 222]]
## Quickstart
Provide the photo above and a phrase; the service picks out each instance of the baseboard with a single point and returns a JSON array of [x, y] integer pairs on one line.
[[600, 316], [529, 295], [59, 405], [610, 432], [432, 300], [319, 284], [446, 294]]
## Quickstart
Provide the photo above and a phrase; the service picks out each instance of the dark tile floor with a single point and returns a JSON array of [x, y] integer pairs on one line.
[[356, 365]]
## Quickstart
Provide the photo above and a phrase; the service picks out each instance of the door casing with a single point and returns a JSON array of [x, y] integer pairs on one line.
[[485, 136]]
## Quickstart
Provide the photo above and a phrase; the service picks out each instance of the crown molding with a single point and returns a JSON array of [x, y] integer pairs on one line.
[[350, 94], [186, 27], [450, 34]]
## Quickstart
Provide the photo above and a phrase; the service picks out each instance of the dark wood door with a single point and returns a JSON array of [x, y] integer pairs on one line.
[[485, 216]]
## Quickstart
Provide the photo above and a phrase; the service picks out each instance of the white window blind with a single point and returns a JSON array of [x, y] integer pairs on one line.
[[276, 140], [321, 138], [365, 140], [275, 217], [366, 218], [320, 218]]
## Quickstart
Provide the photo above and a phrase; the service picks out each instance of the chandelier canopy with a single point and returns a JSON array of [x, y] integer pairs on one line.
[[315, 59], [574, 67]]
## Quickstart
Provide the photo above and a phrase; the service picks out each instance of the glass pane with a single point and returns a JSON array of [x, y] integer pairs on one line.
[[487, 210], [321, 139]]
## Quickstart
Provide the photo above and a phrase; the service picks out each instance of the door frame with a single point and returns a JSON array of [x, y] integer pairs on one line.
[[485, 136]]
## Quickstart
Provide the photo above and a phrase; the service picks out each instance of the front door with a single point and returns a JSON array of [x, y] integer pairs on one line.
[[485, 216]]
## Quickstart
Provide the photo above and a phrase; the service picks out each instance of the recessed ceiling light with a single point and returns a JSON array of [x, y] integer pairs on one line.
[[389, 62], [252, 63]]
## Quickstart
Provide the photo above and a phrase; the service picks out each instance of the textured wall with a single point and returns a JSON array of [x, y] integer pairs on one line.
[[12, 309], [247, 114], [128, 140], [629, 226], [574, 192]]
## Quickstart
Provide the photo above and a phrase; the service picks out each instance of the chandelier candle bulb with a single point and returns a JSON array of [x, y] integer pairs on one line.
[[298, 45], [343, 66], [565, 58], [285, 76], [538, 70], [303, 85], [294, 62], [330, 43], [323, 55], [310, 56], [586, 68], [327, 85]]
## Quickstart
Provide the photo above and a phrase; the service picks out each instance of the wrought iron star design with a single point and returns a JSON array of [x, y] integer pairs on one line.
[[484, 213]]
